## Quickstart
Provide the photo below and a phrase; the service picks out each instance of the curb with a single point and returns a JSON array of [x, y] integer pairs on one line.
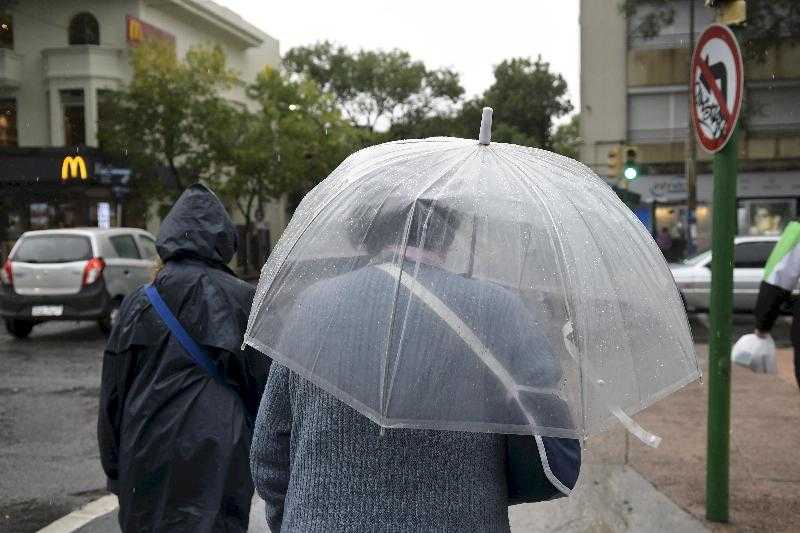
[[77, 519]]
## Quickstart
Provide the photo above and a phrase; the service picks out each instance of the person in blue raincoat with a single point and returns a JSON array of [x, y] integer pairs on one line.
[[174, 442]]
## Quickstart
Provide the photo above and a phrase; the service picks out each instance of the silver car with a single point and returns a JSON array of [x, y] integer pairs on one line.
[[72, 274], [693, 276]]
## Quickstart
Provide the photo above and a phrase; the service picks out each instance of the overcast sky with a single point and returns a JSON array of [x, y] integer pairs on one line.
[[467, 36]]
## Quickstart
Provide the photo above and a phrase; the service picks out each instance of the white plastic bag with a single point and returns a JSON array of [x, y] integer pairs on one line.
[[755, 353]]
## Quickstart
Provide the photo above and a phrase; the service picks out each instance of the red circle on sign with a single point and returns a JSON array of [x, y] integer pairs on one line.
[[717, 31]]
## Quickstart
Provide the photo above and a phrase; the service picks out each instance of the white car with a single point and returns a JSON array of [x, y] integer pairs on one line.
[[693, 275], [72, 274]]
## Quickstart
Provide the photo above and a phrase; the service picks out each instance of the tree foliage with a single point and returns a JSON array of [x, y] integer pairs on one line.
[[293, 138], [173, 125], [526, 97], [374, 87], [567, 138], [163, 123]]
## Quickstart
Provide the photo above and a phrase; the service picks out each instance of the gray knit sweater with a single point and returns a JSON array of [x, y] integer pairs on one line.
[[322, 467]]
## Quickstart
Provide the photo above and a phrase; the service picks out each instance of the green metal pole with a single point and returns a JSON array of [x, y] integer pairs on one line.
[[723, 231]]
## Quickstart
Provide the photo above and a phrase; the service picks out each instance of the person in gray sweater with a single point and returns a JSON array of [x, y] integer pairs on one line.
[[321, 466]]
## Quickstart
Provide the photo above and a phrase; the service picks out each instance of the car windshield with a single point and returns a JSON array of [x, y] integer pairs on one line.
[[53, 249], [698, 258]]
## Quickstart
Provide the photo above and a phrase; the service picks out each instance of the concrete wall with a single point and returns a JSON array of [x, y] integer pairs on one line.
[[40, 25], [603, 80]]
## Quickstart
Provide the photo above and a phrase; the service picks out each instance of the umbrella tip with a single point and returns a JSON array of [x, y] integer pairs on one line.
[[485, 136]]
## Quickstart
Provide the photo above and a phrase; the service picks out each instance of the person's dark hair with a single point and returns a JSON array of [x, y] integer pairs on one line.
[[432, 227]]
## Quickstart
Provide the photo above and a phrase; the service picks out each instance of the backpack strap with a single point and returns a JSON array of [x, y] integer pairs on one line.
[[197, 353]]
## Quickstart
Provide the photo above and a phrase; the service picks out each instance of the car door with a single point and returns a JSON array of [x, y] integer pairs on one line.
[[749, 258], [147, 249], [129, 270]]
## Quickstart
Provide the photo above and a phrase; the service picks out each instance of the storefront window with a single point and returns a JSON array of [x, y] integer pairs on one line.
[[670, 226], [40, 216], [8, 122], [765, 217], [74, 117]]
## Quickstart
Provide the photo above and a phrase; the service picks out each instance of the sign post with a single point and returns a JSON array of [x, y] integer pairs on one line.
[[716, 83]]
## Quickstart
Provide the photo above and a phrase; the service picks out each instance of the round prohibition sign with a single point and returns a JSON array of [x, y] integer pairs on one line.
[[716, 84]]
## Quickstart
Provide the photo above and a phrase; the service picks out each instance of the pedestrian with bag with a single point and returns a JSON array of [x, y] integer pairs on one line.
[[781, 274], [178, 393], [322, 466]]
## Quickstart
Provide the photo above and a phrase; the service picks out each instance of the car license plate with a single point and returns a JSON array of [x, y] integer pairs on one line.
[[47, 310]]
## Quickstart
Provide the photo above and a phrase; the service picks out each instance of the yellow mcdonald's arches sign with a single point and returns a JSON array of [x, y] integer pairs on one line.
[[73, 167]]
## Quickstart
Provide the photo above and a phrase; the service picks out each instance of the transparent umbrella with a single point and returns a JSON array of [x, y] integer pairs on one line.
[[460, 285]]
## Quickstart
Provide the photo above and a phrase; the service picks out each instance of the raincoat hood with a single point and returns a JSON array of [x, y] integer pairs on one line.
[[197, 227]]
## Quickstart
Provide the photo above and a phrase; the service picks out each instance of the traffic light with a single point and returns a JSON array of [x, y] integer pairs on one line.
[[615, 161], [631, 169], [729, 11]]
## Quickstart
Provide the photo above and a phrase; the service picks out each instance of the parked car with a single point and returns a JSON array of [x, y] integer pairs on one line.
[[72, 274], [693, 275]]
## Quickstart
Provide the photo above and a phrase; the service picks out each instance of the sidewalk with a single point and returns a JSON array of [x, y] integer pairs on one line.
[[765, 448], [611, 498]]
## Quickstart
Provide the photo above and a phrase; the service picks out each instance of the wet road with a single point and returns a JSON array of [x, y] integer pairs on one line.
[[49, 388]]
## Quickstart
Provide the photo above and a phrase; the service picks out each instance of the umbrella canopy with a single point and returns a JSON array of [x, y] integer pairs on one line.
[[453, 284]]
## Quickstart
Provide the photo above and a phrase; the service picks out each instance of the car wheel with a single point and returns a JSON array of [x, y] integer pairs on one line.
[[19, 328], [109, 321]]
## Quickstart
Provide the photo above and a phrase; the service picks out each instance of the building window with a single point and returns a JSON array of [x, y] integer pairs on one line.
[[84, 29], [74, 117], [8, 122], [658, 117], [675, 33], [765, 216], [773, 108], [6, 32]]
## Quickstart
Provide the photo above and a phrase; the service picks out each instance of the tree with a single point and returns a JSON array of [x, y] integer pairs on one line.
[[163, 123], [526, 96], [768, 22], [567, 138], [294, 138], [376, 88]]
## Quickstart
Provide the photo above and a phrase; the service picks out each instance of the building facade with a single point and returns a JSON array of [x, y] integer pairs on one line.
[[634, 92], [56, 59]]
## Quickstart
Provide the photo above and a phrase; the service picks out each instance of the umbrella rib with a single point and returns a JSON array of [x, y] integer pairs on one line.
[[557, 245], [609, 269], [449, 173]]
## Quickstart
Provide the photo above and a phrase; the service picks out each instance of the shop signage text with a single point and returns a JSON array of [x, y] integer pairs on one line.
[[137, 31]]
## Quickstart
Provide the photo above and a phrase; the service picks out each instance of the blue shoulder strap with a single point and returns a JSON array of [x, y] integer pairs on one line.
[[195, 351]]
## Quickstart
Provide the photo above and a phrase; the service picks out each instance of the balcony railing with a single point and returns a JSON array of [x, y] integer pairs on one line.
[[10, 68], [84, 61]]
